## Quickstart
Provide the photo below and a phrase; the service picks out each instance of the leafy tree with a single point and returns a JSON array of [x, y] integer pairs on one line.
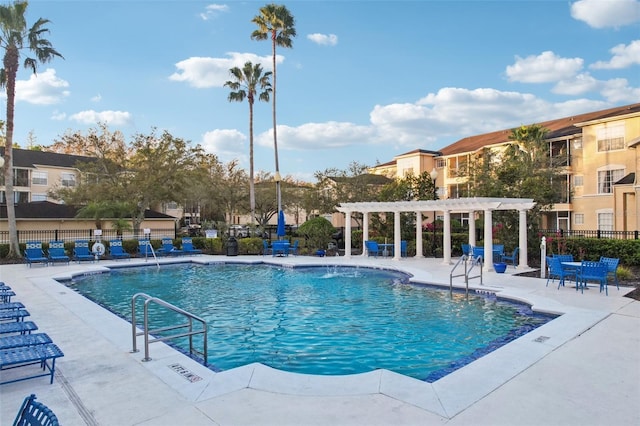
[[317, 231], [15, 37], [522, 168], [245, 85], [277, 23]]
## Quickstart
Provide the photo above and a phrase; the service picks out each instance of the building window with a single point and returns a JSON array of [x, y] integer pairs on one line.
[[610, 137], [68, 179], [440, 163], [21, 177], [578, 180], [606, 179], [407, 172], [39, 178], [38, 197], [172, 206], [605, 221], [579, 218]]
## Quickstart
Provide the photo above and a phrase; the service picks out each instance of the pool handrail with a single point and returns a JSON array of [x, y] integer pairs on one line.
[[467, 270], [146, 331]]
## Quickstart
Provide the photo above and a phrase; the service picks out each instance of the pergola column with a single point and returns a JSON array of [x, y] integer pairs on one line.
[[488, 240], [419, 254], [397, 236], [446, 240], [365, 232], [347, 235], [472, 228], [522, 239]]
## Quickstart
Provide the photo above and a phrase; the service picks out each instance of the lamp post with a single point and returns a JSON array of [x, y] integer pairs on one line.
[[434, 176]]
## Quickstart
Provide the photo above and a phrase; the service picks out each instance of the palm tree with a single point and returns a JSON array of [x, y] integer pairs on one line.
[[14, 36], [245, 85], [275, 22]]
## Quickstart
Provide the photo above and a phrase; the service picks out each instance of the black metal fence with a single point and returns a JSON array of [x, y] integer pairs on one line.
[[82, 234], [617, 235]]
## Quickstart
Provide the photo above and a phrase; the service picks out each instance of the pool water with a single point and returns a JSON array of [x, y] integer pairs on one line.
[[320, 320]]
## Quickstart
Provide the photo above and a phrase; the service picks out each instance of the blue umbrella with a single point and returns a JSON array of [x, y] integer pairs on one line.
[[280, 231]]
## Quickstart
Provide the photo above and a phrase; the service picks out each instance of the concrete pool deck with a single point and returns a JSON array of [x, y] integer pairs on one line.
[[583, 368]]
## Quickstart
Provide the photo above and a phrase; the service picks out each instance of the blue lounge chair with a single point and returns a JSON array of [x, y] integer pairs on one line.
[[187, 246], [33, 412], [116, 251], [42, 355], [513, 258], [168, 249], [373, 249], [612, 268], [34, 254], [145, 249], [81, 251], [57, 253]]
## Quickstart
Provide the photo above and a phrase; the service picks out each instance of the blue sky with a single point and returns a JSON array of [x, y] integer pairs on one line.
[[365, 80]]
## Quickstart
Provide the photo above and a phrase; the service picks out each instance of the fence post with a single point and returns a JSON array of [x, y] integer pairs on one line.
[[55, 235], [598, 234], [635, 234], [543, 257]]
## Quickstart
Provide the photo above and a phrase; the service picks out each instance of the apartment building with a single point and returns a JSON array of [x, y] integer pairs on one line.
[[600, 159]]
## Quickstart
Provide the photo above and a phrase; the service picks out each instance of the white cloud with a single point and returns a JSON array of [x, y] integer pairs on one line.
[[546, 67], [618, 91], [313, 136], [96, 98], [115, 118], [227, 144], [606, 13], [323, 39], [58, 116], [44, 88], [213, 10], [579, 84], [202, 72], [623, 57]]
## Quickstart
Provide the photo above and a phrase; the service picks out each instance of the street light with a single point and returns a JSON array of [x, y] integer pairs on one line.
[[434, 176]]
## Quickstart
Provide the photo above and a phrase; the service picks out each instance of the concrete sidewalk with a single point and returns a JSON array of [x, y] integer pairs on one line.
[[582, 368]]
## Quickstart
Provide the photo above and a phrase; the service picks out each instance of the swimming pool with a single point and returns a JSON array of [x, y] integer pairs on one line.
[[322, 320]]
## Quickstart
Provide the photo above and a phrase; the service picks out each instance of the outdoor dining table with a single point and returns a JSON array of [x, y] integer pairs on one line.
[[387, 249], [574, 266], [280, 248]]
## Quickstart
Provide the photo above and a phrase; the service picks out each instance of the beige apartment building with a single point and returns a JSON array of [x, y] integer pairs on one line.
[[599, 152]]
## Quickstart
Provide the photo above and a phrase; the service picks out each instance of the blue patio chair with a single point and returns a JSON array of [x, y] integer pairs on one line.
[[34, 253], [81, 251], [612, 268], [116, 251], [592, 271], [560, 271], [57, 253], [265, 248], [373, 249], [187, 246], [513, 258], [168, 249], [466, 249], [35, 413], [294, 247]]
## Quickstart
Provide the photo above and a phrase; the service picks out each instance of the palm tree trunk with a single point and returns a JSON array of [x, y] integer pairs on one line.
[[275, 133], [11, 68], [252, 185]]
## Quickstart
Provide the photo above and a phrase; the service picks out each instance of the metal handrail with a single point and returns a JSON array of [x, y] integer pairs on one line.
[[146, 331], [467, 270]]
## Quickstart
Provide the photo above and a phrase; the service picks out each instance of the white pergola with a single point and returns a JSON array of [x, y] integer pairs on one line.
[[455, 205]]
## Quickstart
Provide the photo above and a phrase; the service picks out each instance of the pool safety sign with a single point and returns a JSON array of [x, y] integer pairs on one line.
[[188, 375]]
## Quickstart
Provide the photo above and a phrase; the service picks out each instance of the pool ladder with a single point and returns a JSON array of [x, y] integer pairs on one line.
[[189, 325], [465, 260]]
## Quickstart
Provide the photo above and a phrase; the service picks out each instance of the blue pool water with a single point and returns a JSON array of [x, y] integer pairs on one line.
[[321, 320]]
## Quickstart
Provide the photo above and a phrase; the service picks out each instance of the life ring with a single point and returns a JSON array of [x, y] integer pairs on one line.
[[98, 248]]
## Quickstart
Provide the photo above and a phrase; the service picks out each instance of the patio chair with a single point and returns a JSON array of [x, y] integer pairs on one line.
[[466, 249], [34, 413], [81, 251], [558, 270], [592, 271], [513, 258], [187, 246], [265, 248], [145, 249], [294, 247], [168, 249], [34, 254], [612, 268], [116, 251], [57, 253], [373, 249]]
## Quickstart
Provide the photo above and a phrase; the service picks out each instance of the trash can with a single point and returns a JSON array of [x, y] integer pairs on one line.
[[232, 246]]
